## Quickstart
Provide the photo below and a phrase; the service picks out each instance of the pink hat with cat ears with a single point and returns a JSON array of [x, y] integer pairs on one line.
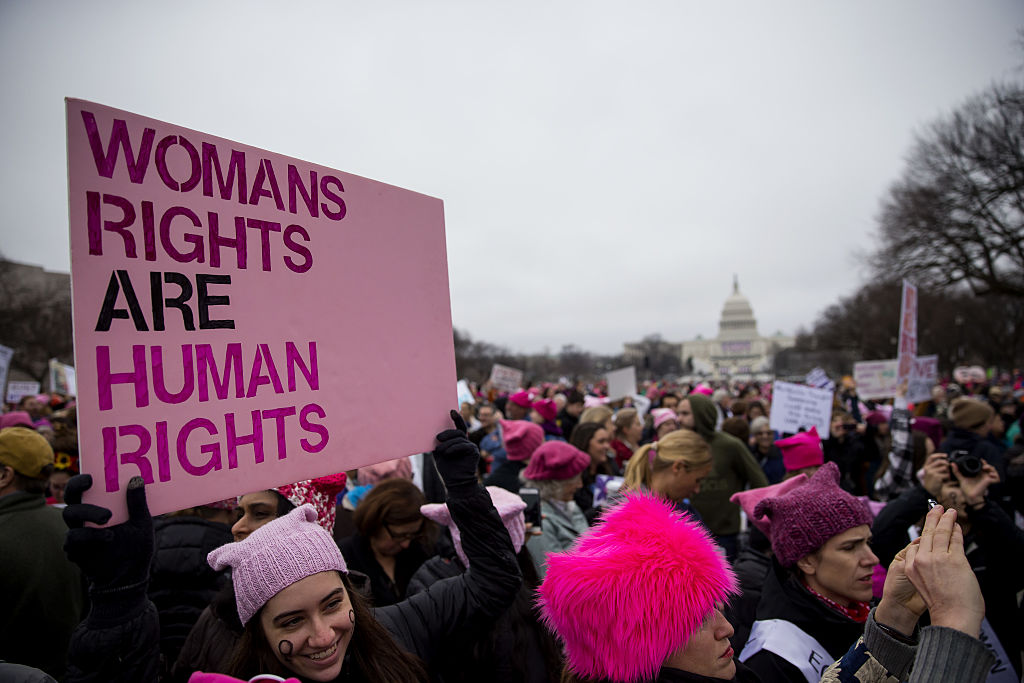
[[633, 589]]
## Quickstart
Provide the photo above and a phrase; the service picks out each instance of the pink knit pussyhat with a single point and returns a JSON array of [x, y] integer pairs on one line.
[[633, 589], [804, 518], [321, 493], [509, 506], [275, 556]]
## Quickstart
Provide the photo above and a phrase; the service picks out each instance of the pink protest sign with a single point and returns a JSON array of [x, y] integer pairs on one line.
[[244, 319]]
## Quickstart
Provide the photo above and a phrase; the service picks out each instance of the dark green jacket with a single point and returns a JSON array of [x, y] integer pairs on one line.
[[733, 469], [40, 590]]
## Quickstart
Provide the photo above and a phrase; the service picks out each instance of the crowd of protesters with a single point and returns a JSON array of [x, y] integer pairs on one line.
[[552, 535]]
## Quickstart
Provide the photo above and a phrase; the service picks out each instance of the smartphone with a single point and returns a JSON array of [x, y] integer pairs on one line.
[[531, 497]]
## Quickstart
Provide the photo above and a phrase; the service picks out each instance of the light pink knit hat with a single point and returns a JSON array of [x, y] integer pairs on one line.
[[509, 506], [633, 589], [275, 556]]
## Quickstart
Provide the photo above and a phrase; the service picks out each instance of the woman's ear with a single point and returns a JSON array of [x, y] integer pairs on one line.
[[808, 564]]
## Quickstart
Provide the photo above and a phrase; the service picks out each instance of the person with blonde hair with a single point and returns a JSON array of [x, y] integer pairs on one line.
[[672, 467]]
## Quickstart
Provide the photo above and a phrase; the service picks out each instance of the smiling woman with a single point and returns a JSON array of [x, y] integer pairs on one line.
[[292, 593]]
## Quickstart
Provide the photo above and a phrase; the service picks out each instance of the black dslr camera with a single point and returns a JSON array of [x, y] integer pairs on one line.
[[969, 465]]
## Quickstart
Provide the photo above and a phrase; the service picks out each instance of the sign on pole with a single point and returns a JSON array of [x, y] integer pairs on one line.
[[796, 407], [464, 393], [504, 378], [621, 383], [239, 315], [876, 378], [923, 375], [906, 351]]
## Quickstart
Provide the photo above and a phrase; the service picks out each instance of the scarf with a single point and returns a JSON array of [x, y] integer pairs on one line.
[[858, 612]]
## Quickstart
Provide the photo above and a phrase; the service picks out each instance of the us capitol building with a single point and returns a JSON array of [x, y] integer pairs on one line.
[[738, 351]]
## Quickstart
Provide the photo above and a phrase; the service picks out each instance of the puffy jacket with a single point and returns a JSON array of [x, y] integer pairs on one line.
[[181, 583]]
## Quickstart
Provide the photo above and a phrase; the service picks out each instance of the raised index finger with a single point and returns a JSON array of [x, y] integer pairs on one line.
[[931, 520]]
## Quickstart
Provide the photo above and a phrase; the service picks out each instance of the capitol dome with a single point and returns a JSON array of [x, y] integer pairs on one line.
[[737, 321]]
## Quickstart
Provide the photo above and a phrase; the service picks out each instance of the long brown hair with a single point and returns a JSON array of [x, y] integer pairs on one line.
[[373, 652]]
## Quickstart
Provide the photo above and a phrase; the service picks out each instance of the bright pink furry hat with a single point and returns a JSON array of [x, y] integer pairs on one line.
[[633, 589]]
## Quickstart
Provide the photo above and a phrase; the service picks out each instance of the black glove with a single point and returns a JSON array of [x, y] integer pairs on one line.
[[114, 559], [456, 456]]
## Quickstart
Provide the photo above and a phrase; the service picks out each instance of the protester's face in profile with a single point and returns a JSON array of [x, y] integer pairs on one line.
[[257, 509], [635, 431], [708, 652], [515, 411], [686, 482], [841, 569], [570, 487], [685, 414], [309, 626], [598, 447]]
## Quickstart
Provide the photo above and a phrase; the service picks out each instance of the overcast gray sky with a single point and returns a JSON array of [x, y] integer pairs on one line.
[[605, 167]]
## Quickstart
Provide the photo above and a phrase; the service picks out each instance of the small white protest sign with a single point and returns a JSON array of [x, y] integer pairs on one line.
[[505, 378], [875, 378], [19, 390], [621, 383], [924, 373], [796, 407]]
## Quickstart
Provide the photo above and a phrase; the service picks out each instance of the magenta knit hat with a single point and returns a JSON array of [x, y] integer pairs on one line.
[[399, 468], [633, 589], [663, 415], [546, 408], [802, 450], [521, 398], [803, 519], [521, 437], [509, 506], [556, 460], [275, 556]]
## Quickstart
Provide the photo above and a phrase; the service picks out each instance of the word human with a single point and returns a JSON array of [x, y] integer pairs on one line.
[[207, 374]]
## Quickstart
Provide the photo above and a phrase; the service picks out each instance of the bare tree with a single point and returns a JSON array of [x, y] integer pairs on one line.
[[35, 317], [956, 217]]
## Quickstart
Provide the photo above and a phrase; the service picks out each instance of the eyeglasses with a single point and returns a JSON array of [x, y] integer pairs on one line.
[[407, 536]]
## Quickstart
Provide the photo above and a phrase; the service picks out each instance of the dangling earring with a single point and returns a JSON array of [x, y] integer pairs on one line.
[[352, 617]]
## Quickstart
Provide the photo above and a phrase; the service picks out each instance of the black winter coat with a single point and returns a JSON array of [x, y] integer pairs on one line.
[[181, 583], [122, 646], [359, 556], [784, 597]]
